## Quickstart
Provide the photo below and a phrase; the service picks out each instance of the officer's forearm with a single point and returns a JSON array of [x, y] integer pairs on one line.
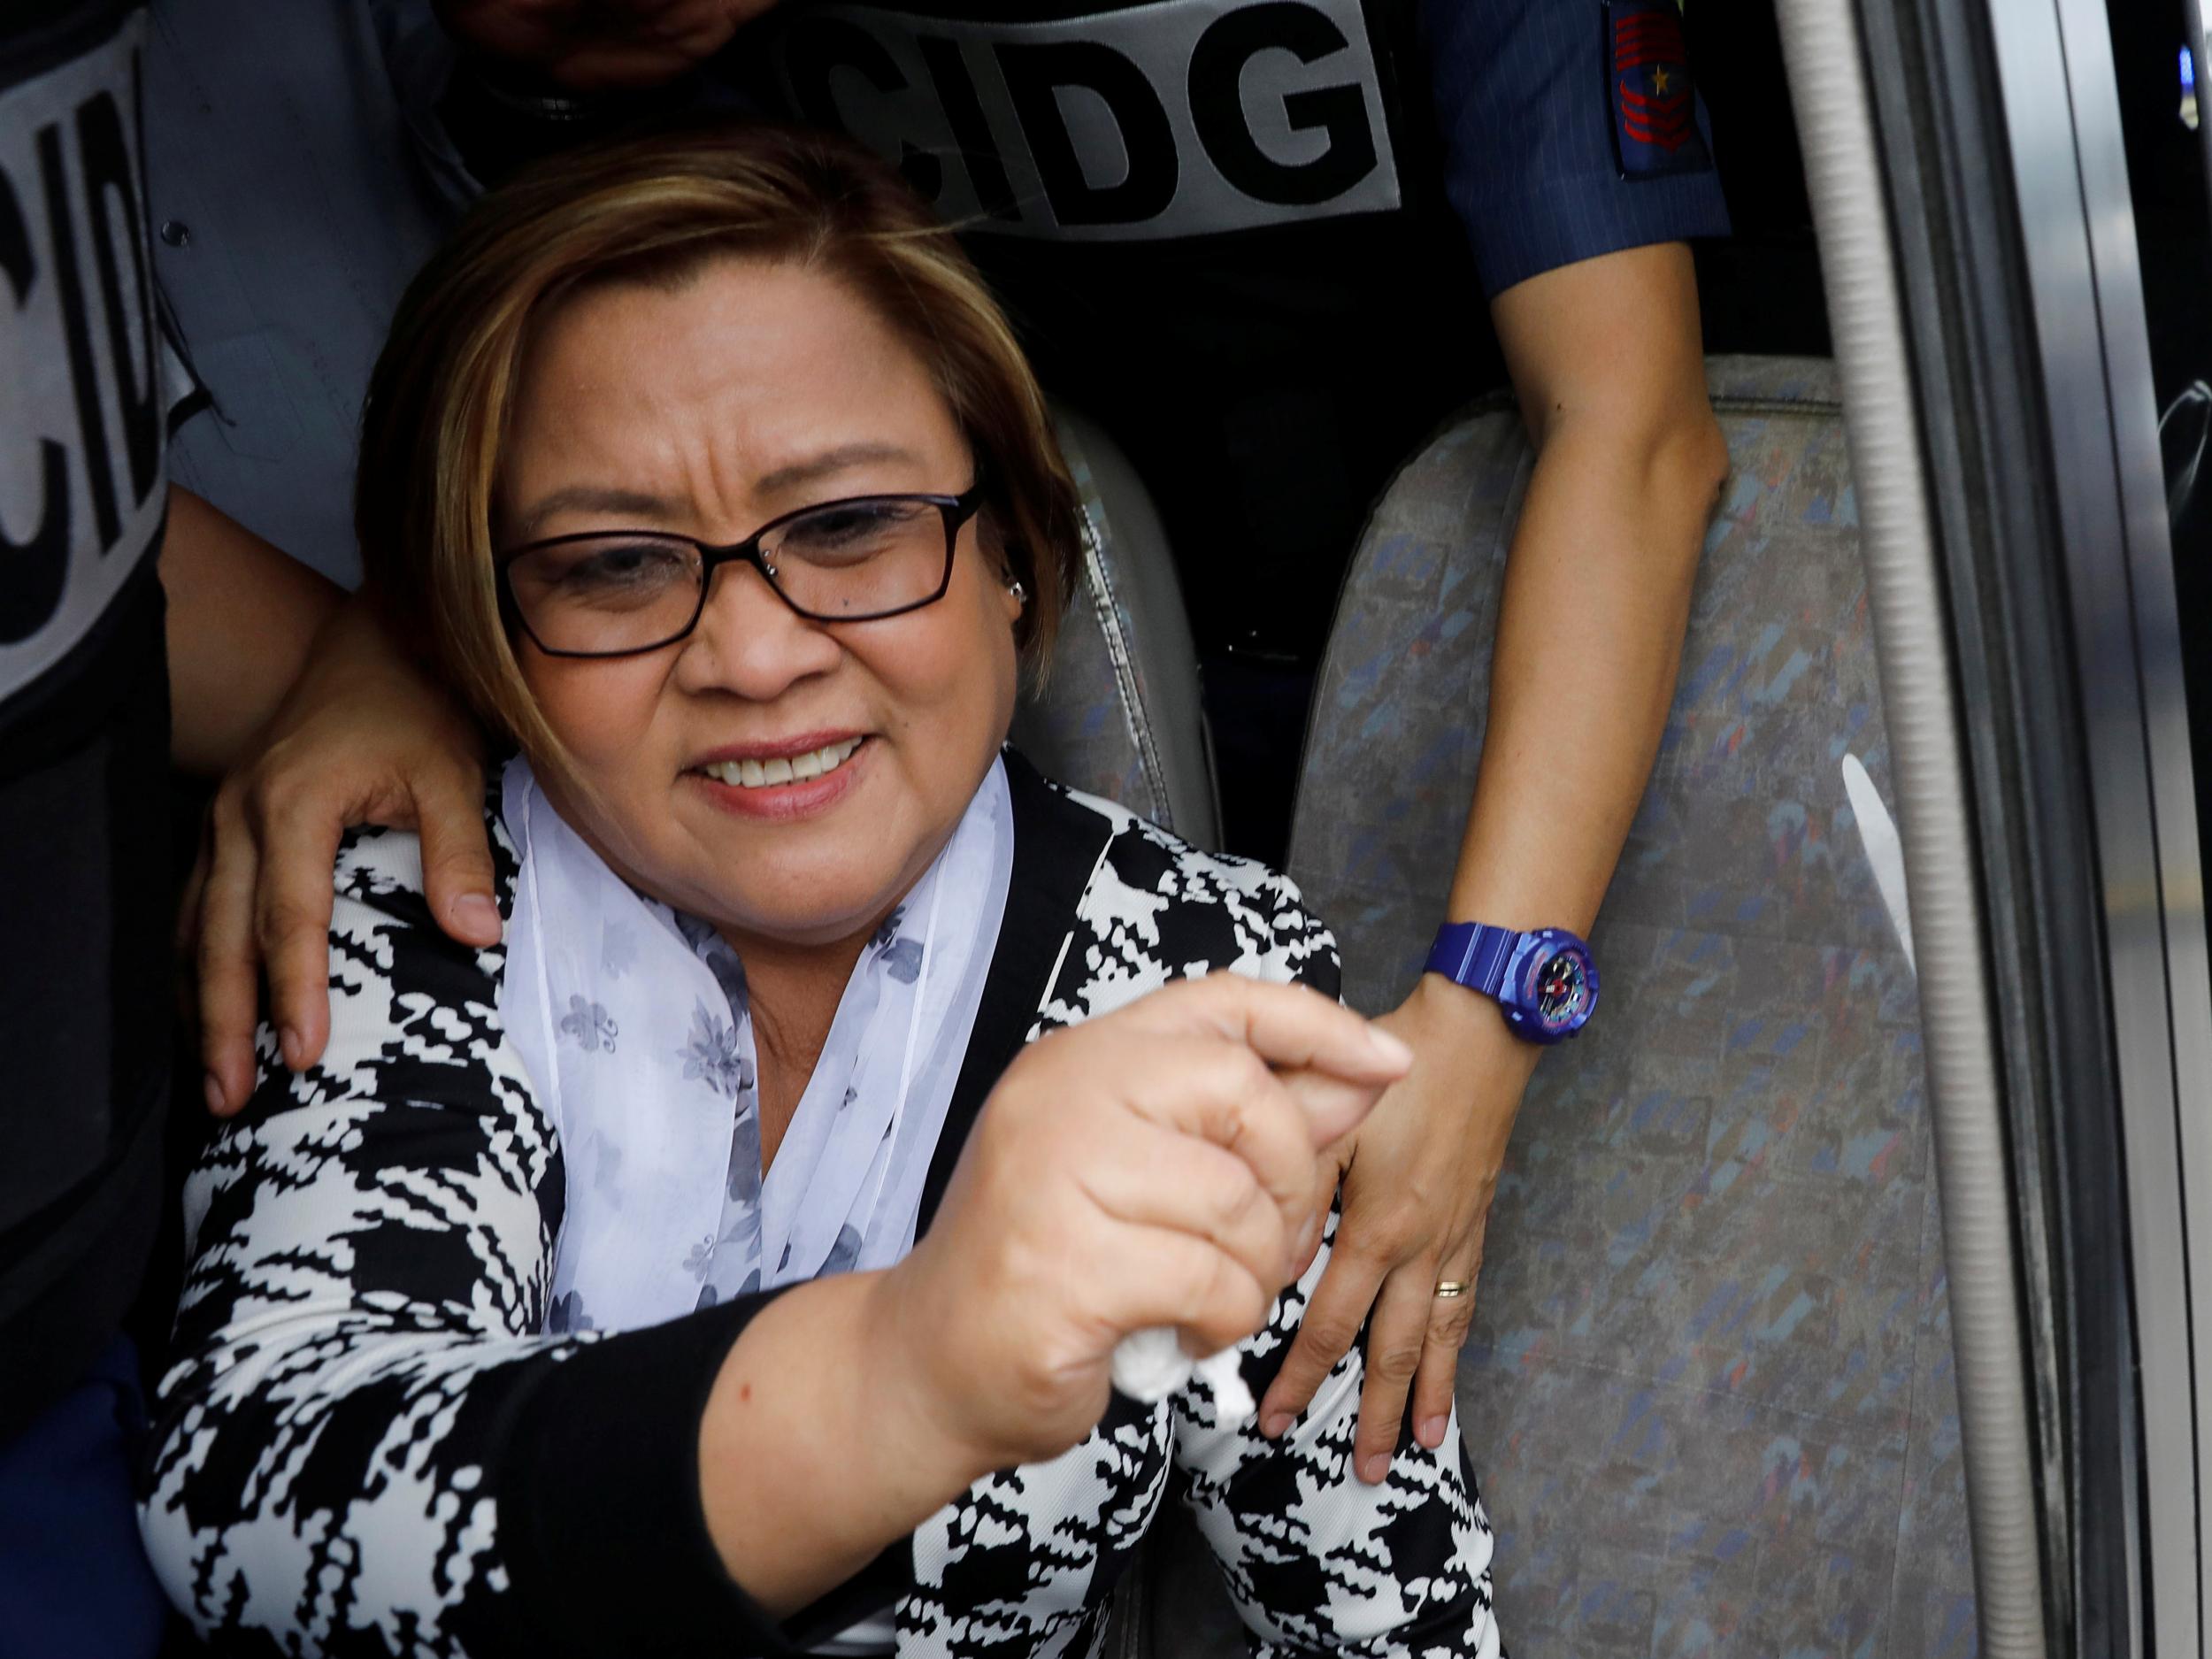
[[1596, 600], [241, 618], [1589, 639]]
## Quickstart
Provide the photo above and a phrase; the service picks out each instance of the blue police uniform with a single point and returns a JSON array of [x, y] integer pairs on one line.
[[1547, 162], [85, 948], [1248, 237]]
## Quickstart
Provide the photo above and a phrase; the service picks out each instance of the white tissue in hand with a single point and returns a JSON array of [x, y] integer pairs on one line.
[[1225, 1375], [1149, 1365]]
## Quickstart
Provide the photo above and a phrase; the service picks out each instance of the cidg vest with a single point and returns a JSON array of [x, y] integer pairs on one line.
[[1221, 227], [84, 715]]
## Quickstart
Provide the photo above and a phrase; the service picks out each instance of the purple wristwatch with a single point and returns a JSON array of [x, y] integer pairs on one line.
[[1545, 981]]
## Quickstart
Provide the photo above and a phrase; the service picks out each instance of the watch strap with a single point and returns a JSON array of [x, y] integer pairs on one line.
[[1473, 954]]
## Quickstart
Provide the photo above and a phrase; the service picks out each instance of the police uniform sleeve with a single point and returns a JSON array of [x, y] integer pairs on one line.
[[1570, 128]]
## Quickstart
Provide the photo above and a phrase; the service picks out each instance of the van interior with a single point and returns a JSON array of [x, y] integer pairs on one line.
[[1711, 1391]]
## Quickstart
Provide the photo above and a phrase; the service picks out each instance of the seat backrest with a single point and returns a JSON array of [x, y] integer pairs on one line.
[[1117, 714], [1709, 1389]]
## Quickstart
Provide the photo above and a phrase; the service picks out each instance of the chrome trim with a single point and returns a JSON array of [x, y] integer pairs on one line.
[[2071, 177], [1828, 86]]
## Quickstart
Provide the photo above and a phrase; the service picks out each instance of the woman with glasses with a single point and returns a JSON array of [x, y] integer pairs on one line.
[[739, 1257]]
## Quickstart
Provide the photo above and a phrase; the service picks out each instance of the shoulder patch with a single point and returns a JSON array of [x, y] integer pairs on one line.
[[1650, 97]]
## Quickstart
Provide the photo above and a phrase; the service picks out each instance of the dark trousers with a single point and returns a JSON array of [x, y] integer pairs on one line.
[[74, 1578]]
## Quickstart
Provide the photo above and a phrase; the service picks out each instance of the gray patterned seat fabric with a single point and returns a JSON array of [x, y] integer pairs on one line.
[[1709, 1389], [1118, 714]]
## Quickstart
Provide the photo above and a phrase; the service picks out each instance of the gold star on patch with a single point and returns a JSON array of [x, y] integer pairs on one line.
[[1659, 81]]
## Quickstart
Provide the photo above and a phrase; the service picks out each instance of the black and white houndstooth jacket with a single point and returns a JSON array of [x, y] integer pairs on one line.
[[368, 1443]]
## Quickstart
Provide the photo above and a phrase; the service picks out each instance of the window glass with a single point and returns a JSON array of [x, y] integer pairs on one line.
[[2158, 49]]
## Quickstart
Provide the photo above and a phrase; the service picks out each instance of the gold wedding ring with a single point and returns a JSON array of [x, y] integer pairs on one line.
[[1447, 1288]]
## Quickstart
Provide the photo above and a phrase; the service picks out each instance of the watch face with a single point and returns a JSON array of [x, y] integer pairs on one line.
[[1559, 990]]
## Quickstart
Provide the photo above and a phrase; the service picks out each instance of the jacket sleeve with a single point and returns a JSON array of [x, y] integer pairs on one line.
[[364, 1443], [1314, 1559]]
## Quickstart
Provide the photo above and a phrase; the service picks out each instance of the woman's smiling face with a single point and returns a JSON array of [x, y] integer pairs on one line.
[[707, 410]]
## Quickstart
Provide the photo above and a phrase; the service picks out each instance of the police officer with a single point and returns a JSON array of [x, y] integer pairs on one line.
[[1248, 237], [88, 671]]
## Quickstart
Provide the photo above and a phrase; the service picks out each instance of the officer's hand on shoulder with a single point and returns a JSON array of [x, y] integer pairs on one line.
[[599, 45], [364, 737]]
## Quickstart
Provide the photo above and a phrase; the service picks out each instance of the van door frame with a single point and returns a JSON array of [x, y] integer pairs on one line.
[[2008, 195]]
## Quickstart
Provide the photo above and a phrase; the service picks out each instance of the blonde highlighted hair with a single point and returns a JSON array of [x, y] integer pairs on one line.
[[655, 210]]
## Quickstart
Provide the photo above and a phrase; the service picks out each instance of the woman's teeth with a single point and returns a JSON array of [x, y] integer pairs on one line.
[[758, 774]]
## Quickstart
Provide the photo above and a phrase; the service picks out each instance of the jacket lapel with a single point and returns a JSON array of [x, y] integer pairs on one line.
[[1057, 845]]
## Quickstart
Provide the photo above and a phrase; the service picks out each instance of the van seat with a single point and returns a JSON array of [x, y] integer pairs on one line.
[[1709, 1390], [1118, 713]]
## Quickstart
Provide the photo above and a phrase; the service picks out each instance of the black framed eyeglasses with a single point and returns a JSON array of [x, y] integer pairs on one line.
[[619, 593]]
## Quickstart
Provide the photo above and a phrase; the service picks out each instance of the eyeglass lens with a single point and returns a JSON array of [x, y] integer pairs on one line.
[[631, 590]]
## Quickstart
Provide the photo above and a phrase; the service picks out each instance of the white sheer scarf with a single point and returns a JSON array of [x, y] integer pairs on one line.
[[634, 1025]]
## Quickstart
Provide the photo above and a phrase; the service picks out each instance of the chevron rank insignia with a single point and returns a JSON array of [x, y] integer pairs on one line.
[[1648, 83]]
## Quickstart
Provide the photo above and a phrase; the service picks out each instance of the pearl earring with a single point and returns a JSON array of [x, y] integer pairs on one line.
[[1020, 593]]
